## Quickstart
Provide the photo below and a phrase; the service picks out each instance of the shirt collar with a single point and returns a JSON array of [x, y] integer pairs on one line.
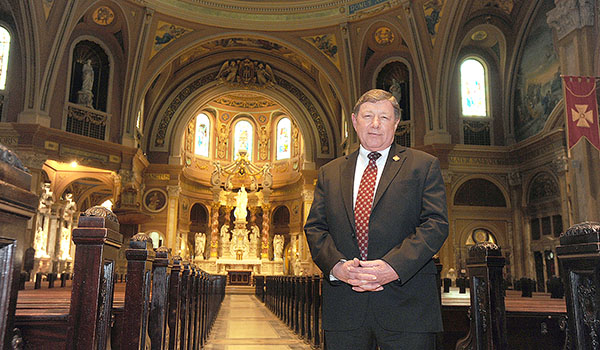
[[363, 153]]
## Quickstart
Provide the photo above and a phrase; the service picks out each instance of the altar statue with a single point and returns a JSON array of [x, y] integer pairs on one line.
[[241, 202], [278, 247], [199, 244]]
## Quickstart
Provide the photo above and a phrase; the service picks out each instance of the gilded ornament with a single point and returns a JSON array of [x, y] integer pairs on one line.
[[384, 36], [103, 16]]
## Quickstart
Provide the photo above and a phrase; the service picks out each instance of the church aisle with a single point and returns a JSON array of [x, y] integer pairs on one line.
[[244, 323]]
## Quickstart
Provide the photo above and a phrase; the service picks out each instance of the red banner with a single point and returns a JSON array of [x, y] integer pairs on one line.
[[581, 107]]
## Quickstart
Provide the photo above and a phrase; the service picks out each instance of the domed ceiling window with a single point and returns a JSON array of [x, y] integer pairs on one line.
[[284, 130], [473, 88], [202, 141], [243, 138]]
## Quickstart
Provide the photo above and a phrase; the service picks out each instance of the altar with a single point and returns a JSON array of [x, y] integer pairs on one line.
[[226, 265], [239, 277]]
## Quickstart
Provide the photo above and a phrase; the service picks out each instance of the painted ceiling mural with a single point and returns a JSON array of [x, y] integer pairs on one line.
[[247, 43], [165, 33], [433, 16], [538, 86], [327, 44]]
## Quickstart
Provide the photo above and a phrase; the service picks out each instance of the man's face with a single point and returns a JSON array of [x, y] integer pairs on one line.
[[375, 125]]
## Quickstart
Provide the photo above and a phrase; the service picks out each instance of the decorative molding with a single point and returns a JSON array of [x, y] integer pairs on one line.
[[570, 15], [514, 179], [246, 74]]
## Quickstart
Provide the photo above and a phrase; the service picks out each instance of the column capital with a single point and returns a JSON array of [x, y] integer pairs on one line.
[[174, 191], [570, 15]]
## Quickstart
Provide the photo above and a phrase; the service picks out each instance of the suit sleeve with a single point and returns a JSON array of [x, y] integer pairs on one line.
[[322, 246], [415, 251]]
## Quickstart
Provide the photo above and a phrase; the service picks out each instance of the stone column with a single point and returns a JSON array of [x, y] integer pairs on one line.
[[172, 215], [264, 249], [308, 196], [214, 231], [520, 247], [573, 24]]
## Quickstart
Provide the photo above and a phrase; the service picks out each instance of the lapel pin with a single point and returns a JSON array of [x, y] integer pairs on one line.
[[396, 158]]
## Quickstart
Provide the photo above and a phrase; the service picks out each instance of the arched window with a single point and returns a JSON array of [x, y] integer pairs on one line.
[[284, 132], [243, 138], [4, 52], [202, 139], [473, 88]]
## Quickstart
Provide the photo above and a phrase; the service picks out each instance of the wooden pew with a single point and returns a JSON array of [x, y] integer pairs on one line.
[[17, 206], [141, 319], [97, 241], [579, 260]]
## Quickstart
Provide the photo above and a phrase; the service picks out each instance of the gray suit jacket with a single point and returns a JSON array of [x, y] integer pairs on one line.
[[407, 226]]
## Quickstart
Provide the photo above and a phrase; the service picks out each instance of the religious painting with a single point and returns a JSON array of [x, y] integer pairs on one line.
[[260, 44], [327, 44], [395, 78], [433, 15], [165, 33], [538, 86], [155, 200]]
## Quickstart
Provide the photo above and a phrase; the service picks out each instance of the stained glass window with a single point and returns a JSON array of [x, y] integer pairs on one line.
[[284, 131], [202, 135], [4, 51], [243, 138], [473, 88]]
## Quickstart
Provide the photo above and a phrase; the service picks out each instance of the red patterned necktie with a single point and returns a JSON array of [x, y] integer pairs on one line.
[[364, 202]]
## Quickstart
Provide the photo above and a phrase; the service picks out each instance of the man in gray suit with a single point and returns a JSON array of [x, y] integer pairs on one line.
[[378, 217]]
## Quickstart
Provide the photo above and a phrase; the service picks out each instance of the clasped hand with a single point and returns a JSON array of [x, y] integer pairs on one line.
[[365, 276]]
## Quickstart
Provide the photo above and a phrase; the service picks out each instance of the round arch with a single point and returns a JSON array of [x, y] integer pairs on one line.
[[315, 147], [491, 179]]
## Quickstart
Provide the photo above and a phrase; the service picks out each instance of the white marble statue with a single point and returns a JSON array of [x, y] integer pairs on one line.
[[85, 95], [43, 222], [278, 247], [241, 202], [200, 243]]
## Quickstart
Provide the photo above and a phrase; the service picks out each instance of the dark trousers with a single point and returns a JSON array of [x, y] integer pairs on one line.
[[371, 336]]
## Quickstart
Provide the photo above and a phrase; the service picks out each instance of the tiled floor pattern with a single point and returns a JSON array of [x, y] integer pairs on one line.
[[244, 323]]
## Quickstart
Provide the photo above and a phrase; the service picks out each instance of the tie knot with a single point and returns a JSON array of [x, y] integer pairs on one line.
[[374, 156]]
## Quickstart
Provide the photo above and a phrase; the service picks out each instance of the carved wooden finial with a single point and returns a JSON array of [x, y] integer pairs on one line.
[[101, 211]]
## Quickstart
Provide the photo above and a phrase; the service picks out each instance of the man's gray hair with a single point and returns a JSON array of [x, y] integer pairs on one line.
[[377, 95]]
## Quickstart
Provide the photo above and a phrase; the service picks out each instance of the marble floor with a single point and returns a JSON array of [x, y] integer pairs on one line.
[[244, 323]]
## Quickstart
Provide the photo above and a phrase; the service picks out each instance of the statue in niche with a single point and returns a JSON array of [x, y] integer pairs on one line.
[[222, 141], [225, 232], [241, 200], [396, 90], [263, 139], [199, 244], [85, 95], [278, 247]]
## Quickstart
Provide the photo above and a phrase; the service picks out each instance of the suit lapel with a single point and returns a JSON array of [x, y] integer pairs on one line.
[[394, 162], [347, 173]]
